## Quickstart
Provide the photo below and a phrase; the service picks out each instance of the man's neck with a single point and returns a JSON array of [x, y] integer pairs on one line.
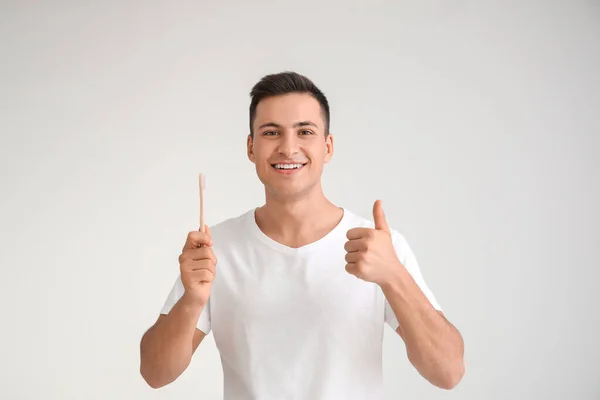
[[298, 222]]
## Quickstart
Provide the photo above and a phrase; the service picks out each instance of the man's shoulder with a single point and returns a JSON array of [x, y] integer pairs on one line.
[[353, 219], [231, 224]]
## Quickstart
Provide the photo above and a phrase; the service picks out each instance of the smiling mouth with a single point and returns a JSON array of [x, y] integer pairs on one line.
[[288, 167]]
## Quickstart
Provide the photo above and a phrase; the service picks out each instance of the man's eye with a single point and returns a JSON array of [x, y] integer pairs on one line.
[[269, 133], [306, 132]]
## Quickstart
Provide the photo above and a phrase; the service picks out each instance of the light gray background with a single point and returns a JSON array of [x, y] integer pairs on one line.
[[476, 123]]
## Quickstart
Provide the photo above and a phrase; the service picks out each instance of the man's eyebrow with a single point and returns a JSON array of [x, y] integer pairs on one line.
[[270, 125], [305, 123], [296, 125]]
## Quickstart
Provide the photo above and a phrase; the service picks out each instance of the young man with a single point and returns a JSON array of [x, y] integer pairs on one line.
[[297, 292]]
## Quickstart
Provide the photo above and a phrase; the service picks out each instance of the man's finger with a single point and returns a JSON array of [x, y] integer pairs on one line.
[[209, 266], [199, 253], [351, 268], [358, 233], [354, 257], [197, 239], [379, 217], [203, 275], [354, 269], [355, 245], [188, 266]]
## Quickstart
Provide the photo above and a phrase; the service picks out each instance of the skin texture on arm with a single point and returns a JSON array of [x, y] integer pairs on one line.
[[433, 345], [166, 349]]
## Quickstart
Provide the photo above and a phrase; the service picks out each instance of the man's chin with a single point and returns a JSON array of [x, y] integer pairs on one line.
[[289, 191]]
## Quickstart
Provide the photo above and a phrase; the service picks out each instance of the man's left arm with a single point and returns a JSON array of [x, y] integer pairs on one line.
[[433, 345]]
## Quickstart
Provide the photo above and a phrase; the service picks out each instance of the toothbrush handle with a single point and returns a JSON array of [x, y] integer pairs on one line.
[[201, 187]]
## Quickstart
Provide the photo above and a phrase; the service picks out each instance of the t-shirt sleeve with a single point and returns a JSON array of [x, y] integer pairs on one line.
[[175, 294], [408, 259]]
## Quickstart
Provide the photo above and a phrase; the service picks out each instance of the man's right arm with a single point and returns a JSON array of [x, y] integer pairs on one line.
[[166, 349]]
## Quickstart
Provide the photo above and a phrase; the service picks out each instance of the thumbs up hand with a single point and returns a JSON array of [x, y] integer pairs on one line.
[[370, 253]]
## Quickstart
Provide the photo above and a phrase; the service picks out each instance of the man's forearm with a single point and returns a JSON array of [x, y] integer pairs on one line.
[[166, 349], [434, 346]]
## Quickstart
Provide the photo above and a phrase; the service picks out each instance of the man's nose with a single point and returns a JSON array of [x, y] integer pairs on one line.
[[288, 145]]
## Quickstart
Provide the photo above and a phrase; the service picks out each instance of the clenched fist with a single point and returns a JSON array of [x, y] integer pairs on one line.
[[197, 264]]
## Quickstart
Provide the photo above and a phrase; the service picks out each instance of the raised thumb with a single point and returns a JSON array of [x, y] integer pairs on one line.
[[379, 217]]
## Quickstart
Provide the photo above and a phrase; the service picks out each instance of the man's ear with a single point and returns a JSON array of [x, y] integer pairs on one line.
[[250, 148], [328, 147]]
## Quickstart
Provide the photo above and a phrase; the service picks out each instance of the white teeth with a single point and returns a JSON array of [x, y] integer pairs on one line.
[[287, 166]]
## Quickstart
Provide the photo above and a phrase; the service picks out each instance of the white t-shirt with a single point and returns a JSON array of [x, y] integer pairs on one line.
[[291, 323]]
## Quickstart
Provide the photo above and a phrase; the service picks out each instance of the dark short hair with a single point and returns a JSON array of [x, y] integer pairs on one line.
[[285, 83]]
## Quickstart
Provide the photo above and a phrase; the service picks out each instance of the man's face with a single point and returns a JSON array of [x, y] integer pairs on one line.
[[289, 147]]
